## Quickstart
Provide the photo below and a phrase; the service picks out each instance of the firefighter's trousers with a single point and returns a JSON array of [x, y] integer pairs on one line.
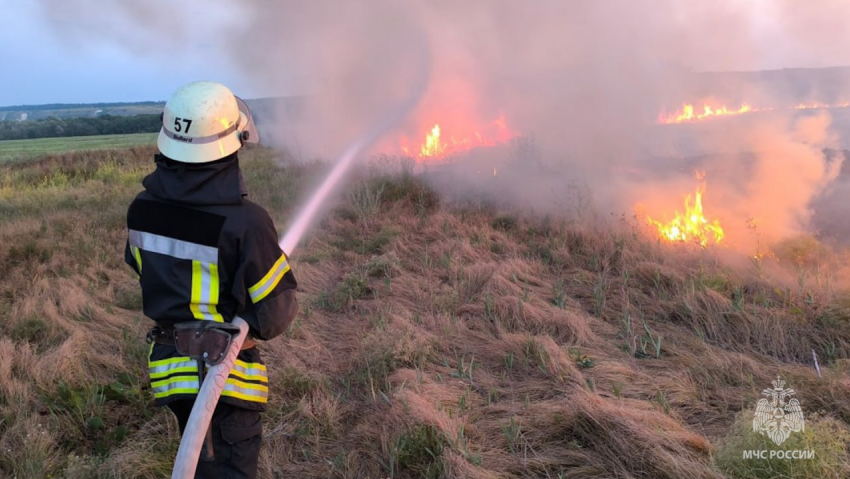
[[236, 435]]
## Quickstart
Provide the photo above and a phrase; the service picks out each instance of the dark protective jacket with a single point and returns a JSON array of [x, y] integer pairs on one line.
[[203, 252]]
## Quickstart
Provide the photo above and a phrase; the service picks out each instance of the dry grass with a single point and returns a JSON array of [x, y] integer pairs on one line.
[[434, 341]]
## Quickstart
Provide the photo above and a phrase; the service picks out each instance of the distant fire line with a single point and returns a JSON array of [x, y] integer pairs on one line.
[[689, 113]]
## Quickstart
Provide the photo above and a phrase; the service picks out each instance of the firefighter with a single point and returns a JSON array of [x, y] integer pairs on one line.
[[204, 253]]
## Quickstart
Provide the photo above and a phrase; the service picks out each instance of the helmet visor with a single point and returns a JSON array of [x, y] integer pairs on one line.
[[250, 127]]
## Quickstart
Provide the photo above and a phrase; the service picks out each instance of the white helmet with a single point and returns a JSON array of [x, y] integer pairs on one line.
[[203, 122]]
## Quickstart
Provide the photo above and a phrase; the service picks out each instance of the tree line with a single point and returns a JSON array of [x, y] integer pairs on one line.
[[101, 125], [75, 106]]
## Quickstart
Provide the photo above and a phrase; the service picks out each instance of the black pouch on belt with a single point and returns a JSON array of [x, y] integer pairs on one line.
[[204, 340]]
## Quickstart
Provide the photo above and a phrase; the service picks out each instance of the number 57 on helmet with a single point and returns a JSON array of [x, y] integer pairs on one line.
[[204, 122]]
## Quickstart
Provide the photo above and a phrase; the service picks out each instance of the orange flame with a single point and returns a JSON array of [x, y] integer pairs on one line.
[[688, 113], [692, 225], [432, 146], [439, 142]]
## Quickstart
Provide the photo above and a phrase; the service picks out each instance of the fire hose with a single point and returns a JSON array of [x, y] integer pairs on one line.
[[202, 411], [208, 395]]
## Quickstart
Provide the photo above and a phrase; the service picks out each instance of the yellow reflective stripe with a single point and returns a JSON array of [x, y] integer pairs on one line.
[[138, 257], [167, 367], [245, 365], [188, 384], [243, 385], [169, 372], [205, 292], [180, 359], [250, 371], [245, 391], [162, 362], [214, 287], [266, 285], [176, 379], [250, 375], [269, 274], [195, 300], [175, 385]]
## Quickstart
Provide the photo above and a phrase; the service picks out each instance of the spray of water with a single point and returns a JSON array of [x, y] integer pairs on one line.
[[384, 124], [305, 217]]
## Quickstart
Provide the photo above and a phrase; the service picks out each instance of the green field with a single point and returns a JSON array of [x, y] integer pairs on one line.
[[23, 149]]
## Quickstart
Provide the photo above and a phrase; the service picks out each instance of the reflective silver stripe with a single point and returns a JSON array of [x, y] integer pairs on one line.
[[167, 387], [260, 393], [165, 368], [250, 374], [173, 247], [202, 139], [206, 280], [205, 291], [262, 290]]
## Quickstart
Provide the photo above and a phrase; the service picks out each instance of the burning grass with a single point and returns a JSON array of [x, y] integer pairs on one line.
[[690, 113], [435, 340]]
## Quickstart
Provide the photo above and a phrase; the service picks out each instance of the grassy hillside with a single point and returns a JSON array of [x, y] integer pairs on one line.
[[28, 149], [434, 340]]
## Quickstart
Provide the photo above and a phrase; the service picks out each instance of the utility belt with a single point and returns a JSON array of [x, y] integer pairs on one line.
[[198, 339]]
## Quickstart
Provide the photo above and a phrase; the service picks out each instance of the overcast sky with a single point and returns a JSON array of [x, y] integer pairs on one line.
[[43, 62], [80, 51]]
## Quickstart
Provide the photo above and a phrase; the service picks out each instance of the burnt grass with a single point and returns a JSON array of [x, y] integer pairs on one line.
[[436, 339]]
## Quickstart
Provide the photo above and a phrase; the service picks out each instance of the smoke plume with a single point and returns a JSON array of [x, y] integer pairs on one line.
[[582, 82]]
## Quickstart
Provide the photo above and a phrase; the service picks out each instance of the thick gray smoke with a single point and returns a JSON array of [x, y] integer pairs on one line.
[[582, 81], [586, 81]]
